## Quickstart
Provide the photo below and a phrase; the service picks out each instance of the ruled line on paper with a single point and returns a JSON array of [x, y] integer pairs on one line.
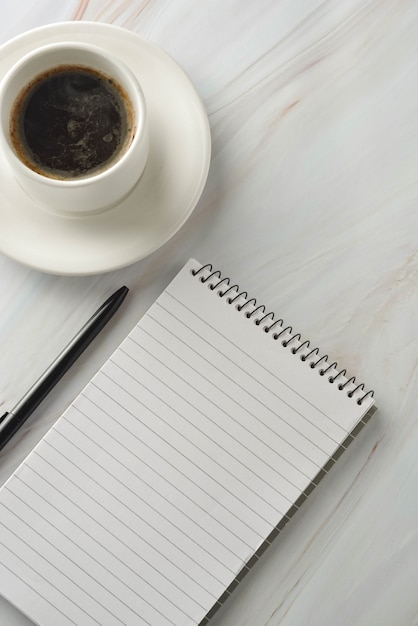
[[155, 509], [224, 547], [324, 436], [54, 547], [253, 416], [128, 527], [43, 558], [118, 539], [143, 519], [297, 447], [78, 546], [103, 547], [232, 456], [195, 503], [231, 383], [189, 478], [247, 355], [36, 591]]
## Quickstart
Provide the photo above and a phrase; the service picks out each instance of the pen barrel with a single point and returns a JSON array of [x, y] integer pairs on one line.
[[31, 400], [11, 422]]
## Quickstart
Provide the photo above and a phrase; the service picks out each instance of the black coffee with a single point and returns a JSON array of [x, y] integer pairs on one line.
[[71, 122]]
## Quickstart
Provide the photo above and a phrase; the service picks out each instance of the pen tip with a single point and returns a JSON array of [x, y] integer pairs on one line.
[[123, 290]]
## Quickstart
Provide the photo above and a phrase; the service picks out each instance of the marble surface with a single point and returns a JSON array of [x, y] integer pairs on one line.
[[311, 206]]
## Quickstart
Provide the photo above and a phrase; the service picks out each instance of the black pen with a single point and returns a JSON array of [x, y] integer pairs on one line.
[[11, 422]]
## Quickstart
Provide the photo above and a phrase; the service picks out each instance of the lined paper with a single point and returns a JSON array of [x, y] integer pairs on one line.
[[149, 495]]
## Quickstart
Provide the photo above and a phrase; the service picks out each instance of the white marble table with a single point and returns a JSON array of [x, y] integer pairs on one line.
[[310, 205]]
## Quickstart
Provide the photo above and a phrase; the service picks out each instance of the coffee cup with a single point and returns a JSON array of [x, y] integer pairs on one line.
[[73, 127]]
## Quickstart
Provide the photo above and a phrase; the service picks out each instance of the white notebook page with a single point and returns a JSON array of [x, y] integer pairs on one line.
[[149, 495]]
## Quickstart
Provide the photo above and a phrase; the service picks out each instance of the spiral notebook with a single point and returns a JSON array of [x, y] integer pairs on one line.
[[176, 466]]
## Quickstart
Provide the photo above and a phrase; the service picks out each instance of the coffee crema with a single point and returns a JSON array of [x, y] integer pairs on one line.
[[71, 122]]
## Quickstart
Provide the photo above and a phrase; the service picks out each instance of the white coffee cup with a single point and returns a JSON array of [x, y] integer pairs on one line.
[[103, 188]]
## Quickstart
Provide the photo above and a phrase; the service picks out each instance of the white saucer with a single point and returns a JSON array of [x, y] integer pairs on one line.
[[167, 192]]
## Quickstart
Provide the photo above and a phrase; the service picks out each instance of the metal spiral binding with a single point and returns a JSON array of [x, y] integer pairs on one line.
[[258, 314]]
